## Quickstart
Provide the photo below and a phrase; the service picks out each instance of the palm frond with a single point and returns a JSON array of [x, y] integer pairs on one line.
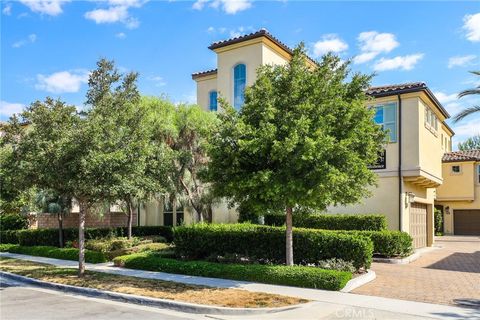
[[475, 72], [469, 92], [465, 113]]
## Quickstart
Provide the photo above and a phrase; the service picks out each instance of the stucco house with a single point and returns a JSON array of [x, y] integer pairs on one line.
[[459, 195], [410, 167]]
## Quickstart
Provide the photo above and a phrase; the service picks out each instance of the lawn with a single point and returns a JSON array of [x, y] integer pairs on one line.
[[235, 298]]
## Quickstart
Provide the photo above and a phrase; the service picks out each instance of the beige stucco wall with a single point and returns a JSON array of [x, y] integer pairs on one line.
[[204, 86], [457, 186]]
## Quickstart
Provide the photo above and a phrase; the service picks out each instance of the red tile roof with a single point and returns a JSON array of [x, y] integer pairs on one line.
[[457, 156], [203, 73]]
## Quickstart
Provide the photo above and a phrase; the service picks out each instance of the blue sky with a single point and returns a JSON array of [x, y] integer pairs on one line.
[[48, 46]]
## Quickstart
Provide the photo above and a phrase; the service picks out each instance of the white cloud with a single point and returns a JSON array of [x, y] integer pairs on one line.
[[121, 35], [329, 43], [49, 7], [444, 97], [466, 128], [159, 81], [7, 109], [461, 61], [373, 43], [407, 62], [232, 33], [63, 81], [7, 10], [30, 39], [117, 11], [228, 6], [471, 24]]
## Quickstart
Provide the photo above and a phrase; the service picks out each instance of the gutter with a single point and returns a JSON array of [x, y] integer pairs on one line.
[[400, 177]]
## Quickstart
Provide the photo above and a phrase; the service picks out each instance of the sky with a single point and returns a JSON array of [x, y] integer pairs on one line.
[[49, 46]]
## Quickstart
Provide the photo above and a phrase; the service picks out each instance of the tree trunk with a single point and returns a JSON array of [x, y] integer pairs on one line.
[[289, 238], [81, 239], [60, 229], [130, 219]]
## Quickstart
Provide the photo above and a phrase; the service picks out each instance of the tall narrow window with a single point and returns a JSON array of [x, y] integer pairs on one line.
[[478, 173], [239, 82], [213, 101], [386, 116]]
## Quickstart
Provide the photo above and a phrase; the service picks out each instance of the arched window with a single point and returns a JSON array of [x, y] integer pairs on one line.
[[239, 82], [213, 101]]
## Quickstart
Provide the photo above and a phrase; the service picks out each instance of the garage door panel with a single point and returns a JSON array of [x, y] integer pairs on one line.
[[466, 222], [418, 224]]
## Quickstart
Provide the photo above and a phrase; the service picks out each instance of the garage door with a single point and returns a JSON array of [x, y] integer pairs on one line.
[[466, 222], [418, 224]]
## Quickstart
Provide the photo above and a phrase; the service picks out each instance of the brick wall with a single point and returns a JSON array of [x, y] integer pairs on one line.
[[113, 219]]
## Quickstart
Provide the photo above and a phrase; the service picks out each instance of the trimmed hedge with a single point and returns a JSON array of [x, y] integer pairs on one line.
[[200, 241], [372, 222], [53, 252], [49, 237], [387, 243], [298, 276], [13, 221]]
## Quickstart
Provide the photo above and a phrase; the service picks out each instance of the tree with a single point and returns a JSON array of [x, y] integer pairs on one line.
[[180, 137], [471, 143], [470, 110], [304, 137]]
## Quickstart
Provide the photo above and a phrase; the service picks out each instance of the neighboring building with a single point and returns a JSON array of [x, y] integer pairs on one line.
[[459, 195], [410, 168]]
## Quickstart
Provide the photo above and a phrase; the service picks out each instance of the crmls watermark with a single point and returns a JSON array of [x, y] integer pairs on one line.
[[355, 313]]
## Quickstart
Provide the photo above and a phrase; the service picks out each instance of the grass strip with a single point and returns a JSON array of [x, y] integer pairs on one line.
[[233, 298], [54, 252]]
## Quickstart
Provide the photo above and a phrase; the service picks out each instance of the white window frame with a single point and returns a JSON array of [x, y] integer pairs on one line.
[[395, 121]]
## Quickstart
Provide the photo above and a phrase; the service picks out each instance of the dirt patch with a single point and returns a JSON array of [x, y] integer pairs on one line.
[[234, 298]]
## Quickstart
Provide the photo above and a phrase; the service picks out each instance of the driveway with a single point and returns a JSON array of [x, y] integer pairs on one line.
[[449, 273]]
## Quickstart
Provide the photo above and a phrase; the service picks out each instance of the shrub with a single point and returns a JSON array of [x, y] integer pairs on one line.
[[263, 242], [374, 222], [438, 221], [298, 276], [53, 252], [336, 264], [387, 243], [13, 221], [49, 237]]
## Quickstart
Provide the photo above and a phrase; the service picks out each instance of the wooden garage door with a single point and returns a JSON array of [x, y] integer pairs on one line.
[[418, 224], [466, 222]]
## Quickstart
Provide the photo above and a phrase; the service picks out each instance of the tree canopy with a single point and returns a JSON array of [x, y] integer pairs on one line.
[[304, 137], [471, 143]]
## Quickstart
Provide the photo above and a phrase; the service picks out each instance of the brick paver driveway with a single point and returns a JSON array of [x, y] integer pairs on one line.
[[449, 274]]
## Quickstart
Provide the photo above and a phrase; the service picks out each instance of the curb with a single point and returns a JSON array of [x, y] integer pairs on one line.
[[414, 256], [365, 278], [146, 301]]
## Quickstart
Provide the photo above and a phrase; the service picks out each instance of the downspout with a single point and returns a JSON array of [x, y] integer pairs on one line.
[[400, 177]]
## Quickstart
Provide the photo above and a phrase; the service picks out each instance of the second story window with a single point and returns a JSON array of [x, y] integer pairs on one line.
[[239, 83], [212, 100], [478, 173], [386, 116], [431, 120]]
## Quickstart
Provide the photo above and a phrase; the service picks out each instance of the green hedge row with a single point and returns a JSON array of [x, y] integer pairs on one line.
[[53, 252], [13, 221], [372, 222], [49, 237], [200, 241], [387, 243], [298, 276]]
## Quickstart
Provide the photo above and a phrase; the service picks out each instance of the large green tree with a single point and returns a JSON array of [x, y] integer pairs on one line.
[[304, 137], [471, 143]]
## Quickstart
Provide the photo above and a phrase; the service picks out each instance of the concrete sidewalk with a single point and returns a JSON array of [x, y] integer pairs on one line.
[[329, 301]]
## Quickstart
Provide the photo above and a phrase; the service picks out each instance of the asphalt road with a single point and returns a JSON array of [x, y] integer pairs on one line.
[[19, 302]]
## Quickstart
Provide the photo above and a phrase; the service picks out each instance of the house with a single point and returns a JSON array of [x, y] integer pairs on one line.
[[459, 195], [409, 168]]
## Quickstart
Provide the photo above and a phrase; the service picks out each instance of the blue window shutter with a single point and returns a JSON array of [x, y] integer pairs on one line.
[[213, 101], [239, 83]]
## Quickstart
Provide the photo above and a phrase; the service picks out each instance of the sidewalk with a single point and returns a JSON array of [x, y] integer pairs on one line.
[[330, 304]]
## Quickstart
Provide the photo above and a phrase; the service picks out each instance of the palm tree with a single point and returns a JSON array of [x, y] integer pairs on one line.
[[470, 110]]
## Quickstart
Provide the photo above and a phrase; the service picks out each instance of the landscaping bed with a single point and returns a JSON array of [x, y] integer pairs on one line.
[[298, 276], [54, 252], [147, 287], [267, 244]]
